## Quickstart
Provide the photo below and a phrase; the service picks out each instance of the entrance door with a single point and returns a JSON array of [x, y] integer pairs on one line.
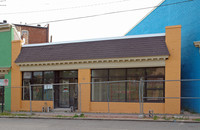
[[73, 93], [64, 94]]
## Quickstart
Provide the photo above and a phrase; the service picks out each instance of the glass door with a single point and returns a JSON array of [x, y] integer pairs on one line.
[[73, 93], [64, 94]]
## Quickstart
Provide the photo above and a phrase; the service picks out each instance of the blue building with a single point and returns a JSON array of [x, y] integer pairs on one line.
[[187, 14]]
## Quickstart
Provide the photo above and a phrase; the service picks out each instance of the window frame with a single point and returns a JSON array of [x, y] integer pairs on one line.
[[126, 84], [55, 80]]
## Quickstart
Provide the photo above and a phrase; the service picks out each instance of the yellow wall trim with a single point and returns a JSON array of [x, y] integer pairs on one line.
[[173, 27], [155, 61]]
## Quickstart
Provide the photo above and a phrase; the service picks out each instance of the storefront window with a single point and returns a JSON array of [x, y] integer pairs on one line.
[[100, 73], [132, 90], [48, 87], [117, 90], [68, 74], [48, 77], [155, 71], [37, 77], [25, 89], [127, 91], [26, 82], [155, 90], [41, 83], [99, 87], [37, 92]]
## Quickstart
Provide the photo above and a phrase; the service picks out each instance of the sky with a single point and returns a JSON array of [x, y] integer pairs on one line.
[[112, 25]]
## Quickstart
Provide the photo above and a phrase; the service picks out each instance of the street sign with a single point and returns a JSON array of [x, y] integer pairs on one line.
[[3, 82]]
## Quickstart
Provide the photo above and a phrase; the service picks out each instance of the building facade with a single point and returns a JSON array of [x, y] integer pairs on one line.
[[187, 15], [33, 34], [9, 38], [77, 70], [8, 34]]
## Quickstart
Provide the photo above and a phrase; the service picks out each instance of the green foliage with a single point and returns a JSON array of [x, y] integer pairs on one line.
[[82, 115], [10, 114], [61, 116], [75, 115], [155, 118], [175, 118], [197, 119]]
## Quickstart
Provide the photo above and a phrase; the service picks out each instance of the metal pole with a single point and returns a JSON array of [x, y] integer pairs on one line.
[[53, 95], [30, 96], [79, 95], [108, 97], [142, 87], [141, 98]]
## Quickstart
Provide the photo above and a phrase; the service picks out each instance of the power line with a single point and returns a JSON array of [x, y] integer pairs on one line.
[[115, 12], [74, 7]]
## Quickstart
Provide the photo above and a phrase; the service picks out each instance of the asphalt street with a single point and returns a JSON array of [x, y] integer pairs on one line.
[[56, 124]]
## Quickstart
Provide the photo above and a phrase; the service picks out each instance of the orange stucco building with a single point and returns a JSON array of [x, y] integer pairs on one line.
[[84, 62]]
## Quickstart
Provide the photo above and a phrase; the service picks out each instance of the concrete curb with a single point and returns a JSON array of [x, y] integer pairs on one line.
[[103, 119]]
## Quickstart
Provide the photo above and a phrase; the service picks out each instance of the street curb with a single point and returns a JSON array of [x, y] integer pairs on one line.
[[102, 119]]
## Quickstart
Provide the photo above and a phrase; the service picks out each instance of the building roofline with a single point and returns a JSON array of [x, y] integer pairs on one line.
[[3, 25], [99, 39], [30, 26]]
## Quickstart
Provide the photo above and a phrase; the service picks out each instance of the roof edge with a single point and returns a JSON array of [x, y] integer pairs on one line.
[[121, 59], [26, 25], [99, 39]]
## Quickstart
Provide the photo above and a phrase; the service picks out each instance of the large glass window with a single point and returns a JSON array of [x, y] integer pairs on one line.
[[37, 90], [26, 82], [42, 88], [68, 74], [117, 90], [133, 87], [48, 87], [127, 91], [99, 89], [155, 89], [25, 89]]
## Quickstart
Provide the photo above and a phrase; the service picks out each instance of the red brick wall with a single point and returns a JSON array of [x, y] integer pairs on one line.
[[35, 34]]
